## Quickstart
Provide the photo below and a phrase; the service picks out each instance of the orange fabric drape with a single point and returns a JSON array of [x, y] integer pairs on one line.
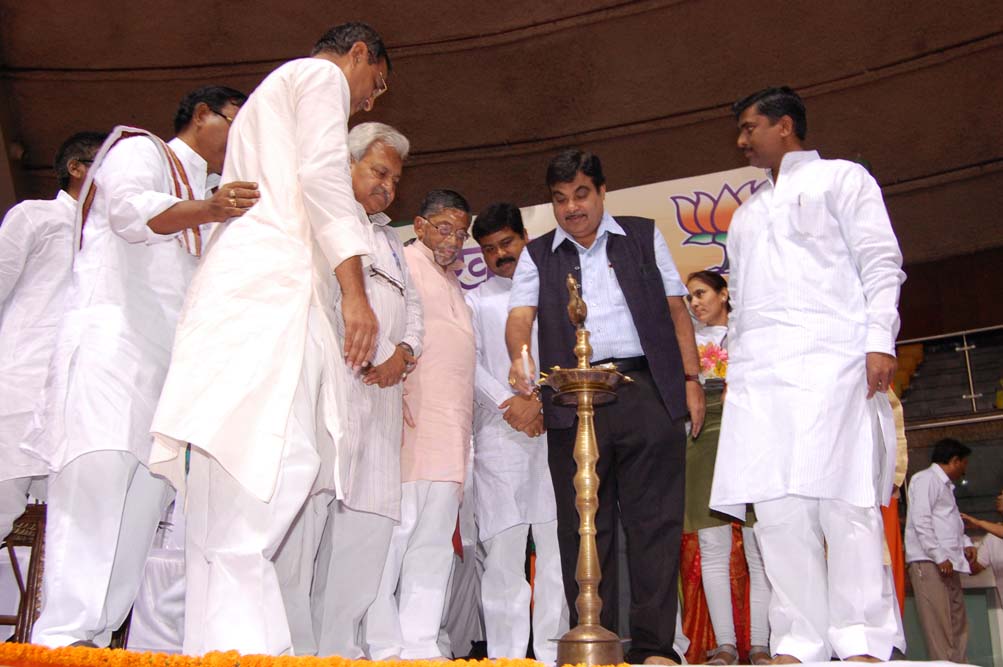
[[696, 617], [893, 535]]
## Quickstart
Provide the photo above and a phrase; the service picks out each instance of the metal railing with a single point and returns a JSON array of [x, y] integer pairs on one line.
[[959, 376]]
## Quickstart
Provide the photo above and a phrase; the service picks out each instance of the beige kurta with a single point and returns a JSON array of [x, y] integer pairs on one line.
[[240, 342], [440, 392]]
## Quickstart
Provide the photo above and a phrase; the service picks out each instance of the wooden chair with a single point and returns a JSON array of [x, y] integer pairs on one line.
[[29, 531]]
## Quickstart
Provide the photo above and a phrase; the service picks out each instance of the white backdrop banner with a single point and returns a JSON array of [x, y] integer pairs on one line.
[[693, 215]]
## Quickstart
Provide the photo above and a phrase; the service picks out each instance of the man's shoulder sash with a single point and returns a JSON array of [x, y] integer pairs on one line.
[[189, 238]]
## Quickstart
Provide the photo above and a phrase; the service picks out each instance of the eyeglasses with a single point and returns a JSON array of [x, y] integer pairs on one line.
[[381, 86], [445, 231], [228, 119]]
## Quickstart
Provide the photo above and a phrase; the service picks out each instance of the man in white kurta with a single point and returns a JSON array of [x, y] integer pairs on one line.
[[807, 432], [350, 551], [136, 244], [511, 478], [256, 383], [36, 258]]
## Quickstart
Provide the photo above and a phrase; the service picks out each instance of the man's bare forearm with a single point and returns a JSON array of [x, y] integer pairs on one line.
[[684, 335], [183, 215], [229, 201], [349, 275], [519, 329]]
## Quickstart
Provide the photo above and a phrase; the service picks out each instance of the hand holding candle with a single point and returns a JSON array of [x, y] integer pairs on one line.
[[522, 373]]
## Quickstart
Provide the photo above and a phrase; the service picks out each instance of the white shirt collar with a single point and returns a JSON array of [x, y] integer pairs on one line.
[[792, 159], [194, 163], [606, 226], [381, 219], [941, 475]]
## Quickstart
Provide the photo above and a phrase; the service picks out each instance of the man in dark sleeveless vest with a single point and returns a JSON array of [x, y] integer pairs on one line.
[[638, 320]]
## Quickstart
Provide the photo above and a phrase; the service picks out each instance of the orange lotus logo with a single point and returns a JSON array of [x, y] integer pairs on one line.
[[706, 218]]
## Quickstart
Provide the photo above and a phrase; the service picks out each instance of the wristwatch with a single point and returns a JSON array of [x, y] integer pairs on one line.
[[410, 365], [692, 378]]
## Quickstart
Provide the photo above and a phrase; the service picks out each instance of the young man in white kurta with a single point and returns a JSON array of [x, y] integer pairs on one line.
[[130, 274], [36, 259], [256, 344], [512, 486], [807, 433], [327, 602]]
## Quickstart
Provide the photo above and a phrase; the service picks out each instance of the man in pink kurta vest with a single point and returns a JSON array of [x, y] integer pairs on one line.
[[438, 399]]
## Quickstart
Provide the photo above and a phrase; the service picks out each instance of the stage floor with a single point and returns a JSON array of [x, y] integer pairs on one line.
[[27, 655]]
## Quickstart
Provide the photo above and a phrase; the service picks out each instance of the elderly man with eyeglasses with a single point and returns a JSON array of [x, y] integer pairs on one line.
[[438, 397], [326, 603]]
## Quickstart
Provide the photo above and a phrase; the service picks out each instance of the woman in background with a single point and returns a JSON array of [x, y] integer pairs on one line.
[[708, 298]]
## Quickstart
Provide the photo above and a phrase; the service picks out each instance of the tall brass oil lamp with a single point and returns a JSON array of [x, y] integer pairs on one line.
[[586, 386]]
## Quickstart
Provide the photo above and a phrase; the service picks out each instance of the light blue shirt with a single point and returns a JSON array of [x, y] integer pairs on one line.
[[613, 334]]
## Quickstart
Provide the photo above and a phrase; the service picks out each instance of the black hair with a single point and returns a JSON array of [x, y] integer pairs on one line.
[[437, 200], [82, 146], [713, 280], [340, 38], [775, 103], [946, 449], [564, 167], [214, 97], [495, 218]]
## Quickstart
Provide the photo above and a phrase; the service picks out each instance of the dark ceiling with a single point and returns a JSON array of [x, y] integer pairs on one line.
[[487, 91]]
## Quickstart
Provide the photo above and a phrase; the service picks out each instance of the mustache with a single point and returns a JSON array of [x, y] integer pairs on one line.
[[506, 260]]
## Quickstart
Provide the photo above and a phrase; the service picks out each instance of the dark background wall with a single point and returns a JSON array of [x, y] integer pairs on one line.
[[488, 91]]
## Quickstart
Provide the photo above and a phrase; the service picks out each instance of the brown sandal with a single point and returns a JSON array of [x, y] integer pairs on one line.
[[725, 654], [760, 655]]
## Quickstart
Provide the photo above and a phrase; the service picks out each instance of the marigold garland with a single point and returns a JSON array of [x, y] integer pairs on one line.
[[30, 655]]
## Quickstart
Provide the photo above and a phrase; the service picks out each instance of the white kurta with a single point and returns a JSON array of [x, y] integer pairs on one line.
[[36, 257], [128, 284], [815, 276], [511, 476], [240, 342]]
